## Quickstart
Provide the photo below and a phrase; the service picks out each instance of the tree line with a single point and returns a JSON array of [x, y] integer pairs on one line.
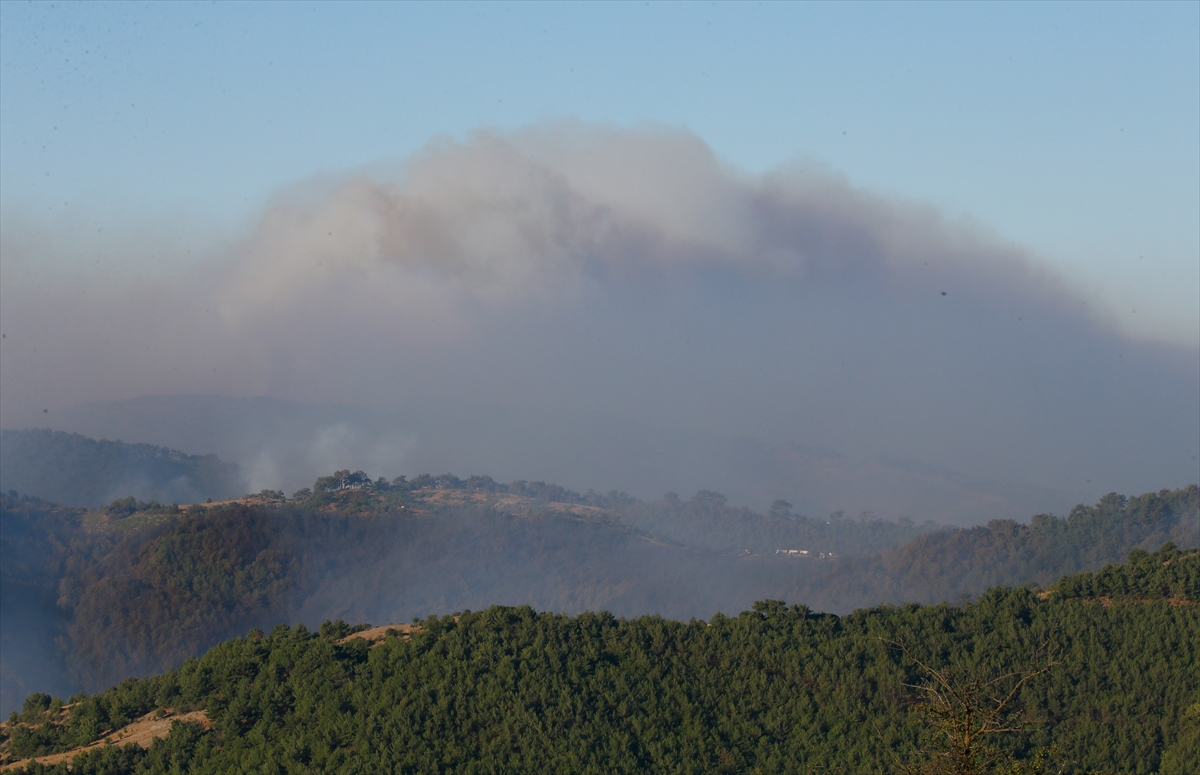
[[1091, 687]]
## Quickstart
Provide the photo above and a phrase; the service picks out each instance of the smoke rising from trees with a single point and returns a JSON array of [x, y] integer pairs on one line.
[[583, 301]]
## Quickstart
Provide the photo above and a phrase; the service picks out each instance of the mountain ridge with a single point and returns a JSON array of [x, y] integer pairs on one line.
[[94, 595]]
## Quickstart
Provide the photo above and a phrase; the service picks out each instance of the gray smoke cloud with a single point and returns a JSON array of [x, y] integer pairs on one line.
[[609, 307]]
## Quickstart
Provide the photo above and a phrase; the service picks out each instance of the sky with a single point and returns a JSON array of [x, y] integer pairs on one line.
[[1069, 128], [725, 219]]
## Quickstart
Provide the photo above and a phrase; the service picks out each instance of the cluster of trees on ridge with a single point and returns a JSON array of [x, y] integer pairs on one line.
[[1098, 683]]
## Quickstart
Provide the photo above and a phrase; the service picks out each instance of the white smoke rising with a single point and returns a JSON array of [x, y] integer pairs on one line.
[[536, 290], [546, 211]]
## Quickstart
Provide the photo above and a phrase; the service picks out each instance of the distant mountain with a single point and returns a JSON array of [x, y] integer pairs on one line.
[[74, 470], [285, 445]]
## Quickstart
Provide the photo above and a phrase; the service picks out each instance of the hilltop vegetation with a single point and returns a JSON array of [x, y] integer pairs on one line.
[[1111, 687], [74, 470]]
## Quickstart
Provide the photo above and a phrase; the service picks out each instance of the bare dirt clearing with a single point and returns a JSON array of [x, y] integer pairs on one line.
[[377, 635], [142, 732]]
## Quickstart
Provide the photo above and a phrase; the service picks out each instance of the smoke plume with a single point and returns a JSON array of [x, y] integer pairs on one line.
[[611, 307]]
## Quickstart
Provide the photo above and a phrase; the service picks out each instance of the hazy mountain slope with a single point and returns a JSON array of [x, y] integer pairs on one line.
[[144, 597], [707, 520], [32, 554], [140, 592], [951, 564], [74, 470], [777, 689]]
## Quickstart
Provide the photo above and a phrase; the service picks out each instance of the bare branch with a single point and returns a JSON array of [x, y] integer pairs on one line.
[[967, 713]]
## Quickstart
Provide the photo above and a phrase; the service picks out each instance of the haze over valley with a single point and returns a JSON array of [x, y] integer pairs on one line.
[[91, 595], [599, 387]]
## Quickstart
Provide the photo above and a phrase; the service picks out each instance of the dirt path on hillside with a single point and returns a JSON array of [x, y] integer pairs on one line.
[[142, 732]]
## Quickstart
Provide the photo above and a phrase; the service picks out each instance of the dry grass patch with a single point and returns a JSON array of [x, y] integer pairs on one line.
[[142, 732]]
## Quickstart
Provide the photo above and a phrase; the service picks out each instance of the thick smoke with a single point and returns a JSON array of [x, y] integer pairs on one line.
[[617, 308]]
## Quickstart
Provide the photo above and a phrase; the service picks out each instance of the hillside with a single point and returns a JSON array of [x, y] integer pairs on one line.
[[75, 470], [957, 564], [136, 598], [1105, 685], [707, 520], [91, 596]]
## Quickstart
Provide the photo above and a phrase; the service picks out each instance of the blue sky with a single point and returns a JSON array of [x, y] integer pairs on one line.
[[1072, 129]]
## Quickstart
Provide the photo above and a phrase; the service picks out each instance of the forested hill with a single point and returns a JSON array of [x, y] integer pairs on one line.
[[707, 520], [74, 470], [951, 565], [89, 597], [1096, 683]]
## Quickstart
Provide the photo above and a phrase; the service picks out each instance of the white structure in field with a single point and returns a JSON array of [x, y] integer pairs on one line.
[[805, 553]]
